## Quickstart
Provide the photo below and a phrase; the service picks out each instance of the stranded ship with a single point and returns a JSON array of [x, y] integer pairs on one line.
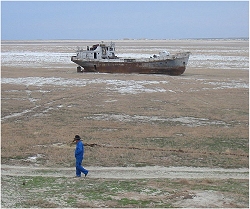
[[101, 58]]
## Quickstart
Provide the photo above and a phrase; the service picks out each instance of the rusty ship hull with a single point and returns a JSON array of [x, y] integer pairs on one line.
[[101, 58], [175, 66]]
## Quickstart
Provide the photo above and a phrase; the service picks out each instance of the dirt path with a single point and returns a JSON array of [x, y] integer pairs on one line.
[[131, 172]]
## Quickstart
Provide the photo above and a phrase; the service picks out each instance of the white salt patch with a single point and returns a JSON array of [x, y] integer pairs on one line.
[[17, 114], [219, 62], [186, 121], [34, 59], [229, 85], [33, 159], [131, 86]]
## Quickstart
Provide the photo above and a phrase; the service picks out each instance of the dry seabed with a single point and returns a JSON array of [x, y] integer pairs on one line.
[[162, 141]]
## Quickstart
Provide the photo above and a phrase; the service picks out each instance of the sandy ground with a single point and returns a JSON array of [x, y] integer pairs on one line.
[[131, 172]]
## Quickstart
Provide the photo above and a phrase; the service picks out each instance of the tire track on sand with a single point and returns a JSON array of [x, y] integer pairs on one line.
[[130, 172]]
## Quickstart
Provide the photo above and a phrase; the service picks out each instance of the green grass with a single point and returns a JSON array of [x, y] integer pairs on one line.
[[239, 187], [51, 192]]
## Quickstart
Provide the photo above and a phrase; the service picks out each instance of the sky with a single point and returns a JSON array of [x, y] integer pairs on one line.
[[100, 20]]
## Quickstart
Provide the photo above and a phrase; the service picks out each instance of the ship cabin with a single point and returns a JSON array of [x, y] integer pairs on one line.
[[97, 52]]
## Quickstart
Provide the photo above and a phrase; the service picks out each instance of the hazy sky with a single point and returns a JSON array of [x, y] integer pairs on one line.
[[102, 20]]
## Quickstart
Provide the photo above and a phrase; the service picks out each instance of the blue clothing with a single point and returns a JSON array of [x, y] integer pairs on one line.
[[79, 153], [80, 169]]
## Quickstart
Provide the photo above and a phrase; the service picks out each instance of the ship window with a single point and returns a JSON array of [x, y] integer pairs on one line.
[[95, 55]]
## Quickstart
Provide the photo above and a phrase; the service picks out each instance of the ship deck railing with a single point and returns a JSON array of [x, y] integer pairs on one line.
[[130, 59]]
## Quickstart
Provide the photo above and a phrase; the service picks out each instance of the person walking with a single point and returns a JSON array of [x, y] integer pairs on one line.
[[79, 153]]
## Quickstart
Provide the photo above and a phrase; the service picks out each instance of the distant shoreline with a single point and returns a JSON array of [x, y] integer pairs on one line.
[[126, 39]]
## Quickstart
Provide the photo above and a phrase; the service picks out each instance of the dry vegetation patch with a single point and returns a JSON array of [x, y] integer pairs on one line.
[[205, 123]]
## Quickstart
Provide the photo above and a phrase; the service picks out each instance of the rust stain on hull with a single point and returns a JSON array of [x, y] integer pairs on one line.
[[138, 67], [102, 59]]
